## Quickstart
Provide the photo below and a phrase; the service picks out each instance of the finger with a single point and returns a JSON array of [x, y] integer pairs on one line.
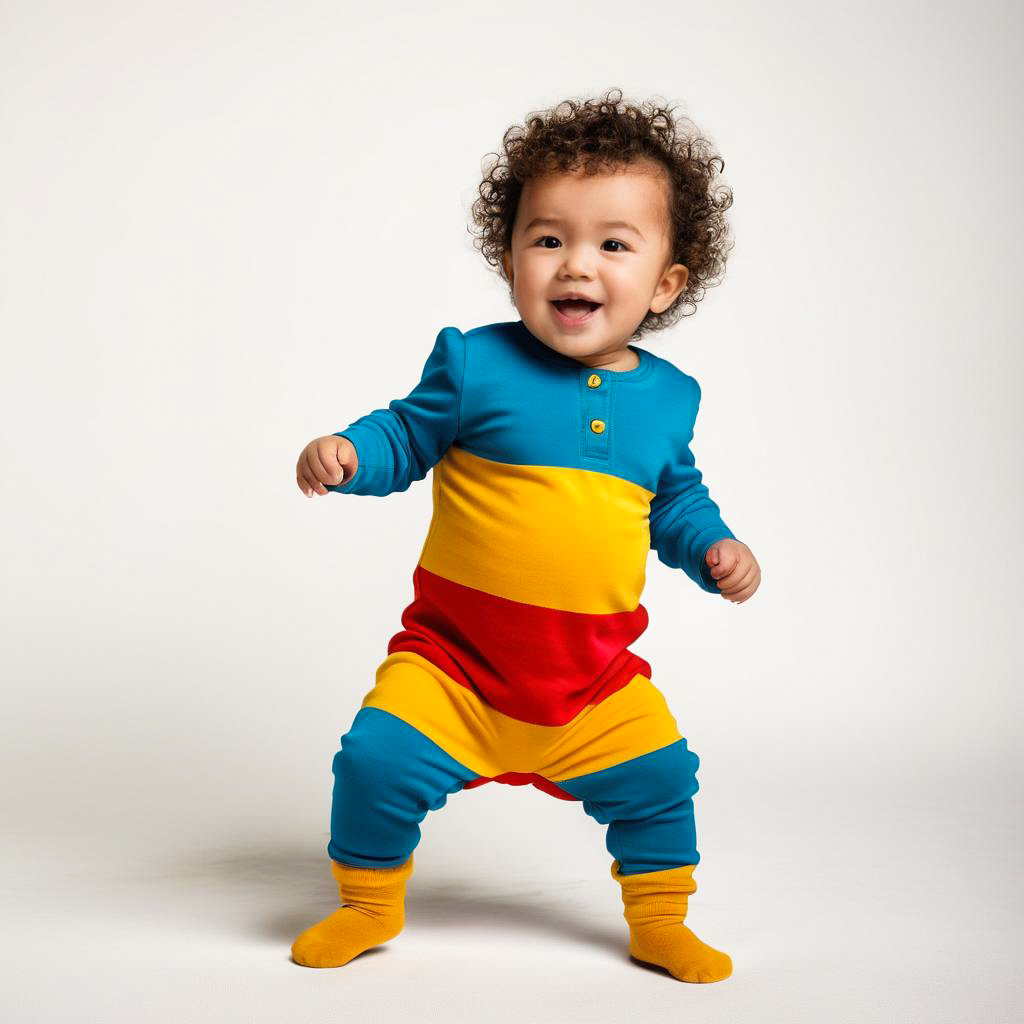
[[726, 568], [747, 583], [753, 585], [743, 595], [320, 470], [738, 572], [726, 564], [315, 470], [732, 586], [309, 476], [304, 478], [330, 457]]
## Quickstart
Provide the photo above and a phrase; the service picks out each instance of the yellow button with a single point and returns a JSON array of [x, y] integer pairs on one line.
[[593, 381], [597, 426]]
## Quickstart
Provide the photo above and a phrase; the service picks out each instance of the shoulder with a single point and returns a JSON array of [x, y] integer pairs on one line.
[[448, 354], [491, 339], [672, 403], [502, 333], [478, 358], [674, 384], [500, 352], [502, 327]]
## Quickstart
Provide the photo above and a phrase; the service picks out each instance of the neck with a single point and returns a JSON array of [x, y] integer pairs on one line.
[[625, 359]]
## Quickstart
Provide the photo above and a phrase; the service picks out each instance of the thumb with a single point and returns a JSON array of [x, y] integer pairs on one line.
[[713, 555], [343, 463]]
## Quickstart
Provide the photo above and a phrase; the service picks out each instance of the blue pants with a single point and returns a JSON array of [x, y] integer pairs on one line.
[[388, 774]]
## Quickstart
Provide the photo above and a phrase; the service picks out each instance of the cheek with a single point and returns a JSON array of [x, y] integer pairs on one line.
[[530, 278], [637, 281], [622, 283]]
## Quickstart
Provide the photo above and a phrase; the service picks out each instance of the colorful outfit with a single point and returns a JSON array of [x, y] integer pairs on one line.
[[551, 483]]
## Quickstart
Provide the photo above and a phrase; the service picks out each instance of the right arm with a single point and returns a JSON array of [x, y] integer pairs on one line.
[[398, 445]]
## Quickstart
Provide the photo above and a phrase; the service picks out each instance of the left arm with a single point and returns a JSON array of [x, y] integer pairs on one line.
[[688, 532]]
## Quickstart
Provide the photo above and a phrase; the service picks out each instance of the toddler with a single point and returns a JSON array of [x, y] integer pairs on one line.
[[560, 456]]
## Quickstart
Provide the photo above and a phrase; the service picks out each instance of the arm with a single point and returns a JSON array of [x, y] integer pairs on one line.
[[685, 522], [400, 444]]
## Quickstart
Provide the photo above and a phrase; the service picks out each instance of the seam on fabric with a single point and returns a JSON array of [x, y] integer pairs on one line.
[[462, 382]]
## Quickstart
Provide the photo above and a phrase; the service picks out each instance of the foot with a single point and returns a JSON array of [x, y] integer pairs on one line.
[[340, 937], [675, 948]]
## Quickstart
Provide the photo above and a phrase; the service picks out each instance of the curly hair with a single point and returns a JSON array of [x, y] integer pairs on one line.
[[603, 135]]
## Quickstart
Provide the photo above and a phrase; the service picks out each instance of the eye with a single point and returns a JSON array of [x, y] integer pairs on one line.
[[545, 238], [615, 241]]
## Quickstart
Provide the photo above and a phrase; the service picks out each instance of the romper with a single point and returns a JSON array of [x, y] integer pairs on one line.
[[551, 483]]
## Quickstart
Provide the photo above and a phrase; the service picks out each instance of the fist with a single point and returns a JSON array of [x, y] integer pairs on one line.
[[327, 460], [734, 568]]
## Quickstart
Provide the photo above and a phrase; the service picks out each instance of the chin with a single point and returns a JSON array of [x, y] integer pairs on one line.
[[567, 346]]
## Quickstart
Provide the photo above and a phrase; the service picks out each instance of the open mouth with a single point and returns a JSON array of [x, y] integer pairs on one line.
[[575, 311]]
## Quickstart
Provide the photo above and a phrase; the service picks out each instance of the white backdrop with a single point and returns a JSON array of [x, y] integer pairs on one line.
[[228, 229]]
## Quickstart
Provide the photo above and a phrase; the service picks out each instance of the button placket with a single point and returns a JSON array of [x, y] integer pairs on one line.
[[596, 394]]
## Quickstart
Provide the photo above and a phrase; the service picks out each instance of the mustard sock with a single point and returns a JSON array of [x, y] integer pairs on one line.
[[655, 905], [372, 911]]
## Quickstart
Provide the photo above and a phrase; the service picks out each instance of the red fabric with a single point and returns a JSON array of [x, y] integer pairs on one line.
[[534, 664], [523, 779]]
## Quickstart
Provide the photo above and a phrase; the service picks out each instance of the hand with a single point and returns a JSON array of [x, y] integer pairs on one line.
[[327, 460], [734, 568]]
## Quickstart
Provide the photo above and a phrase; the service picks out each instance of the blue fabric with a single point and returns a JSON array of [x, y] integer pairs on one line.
[[647, 804], [387, 775], [501, 393], [399, 444]]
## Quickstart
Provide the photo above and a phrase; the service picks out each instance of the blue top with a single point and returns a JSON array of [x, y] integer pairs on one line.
[[499, 392]]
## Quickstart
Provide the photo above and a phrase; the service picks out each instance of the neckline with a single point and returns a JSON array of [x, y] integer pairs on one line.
[[642, 368]]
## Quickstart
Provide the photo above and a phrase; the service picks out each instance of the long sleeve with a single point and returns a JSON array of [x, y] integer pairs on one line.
[[400, 444], [684, 521]]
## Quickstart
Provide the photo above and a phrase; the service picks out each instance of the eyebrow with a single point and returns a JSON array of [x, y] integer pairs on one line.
[[603, 224]]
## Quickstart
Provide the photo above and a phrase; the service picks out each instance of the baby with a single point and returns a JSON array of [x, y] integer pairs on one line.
[[560, 456]]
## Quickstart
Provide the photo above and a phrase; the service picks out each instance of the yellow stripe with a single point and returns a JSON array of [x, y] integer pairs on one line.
[[631, 722], [571, 539]]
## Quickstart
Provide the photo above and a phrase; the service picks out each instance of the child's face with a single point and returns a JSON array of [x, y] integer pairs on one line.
[[563, 241]]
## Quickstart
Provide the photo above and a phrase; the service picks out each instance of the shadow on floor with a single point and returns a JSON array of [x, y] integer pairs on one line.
[[300, 883]]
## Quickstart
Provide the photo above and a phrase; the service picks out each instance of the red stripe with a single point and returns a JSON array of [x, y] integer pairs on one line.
[[538, 665], [524, 779]]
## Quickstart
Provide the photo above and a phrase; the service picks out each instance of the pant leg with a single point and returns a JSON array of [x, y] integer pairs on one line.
[[387, 775], [647, 804]]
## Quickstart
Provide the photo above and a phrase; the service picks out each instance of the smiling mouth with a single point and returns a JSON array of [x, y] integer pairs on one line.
[[575, 310]]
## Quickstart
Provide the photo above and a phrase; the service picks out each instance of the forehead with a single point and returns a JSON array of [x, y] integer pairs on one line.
[[636, 194]]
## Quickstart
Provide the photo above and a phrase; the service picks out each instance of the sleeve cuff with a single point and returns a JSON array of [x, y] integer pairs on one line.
[[360, 439], [707, 581]]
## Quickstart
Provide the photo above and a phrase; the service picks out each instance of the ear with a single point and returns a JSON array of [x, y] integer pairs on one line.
[[669, 288], [506, 263]]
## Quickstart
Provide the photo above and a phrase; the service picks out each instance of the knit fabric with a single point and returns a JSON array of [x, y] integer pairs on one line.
[[372, 911], [655, 904], [552, 482]]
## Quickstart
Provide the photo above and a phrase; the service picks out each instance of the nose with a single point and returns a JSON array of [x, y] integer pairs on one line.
[[576, 261]]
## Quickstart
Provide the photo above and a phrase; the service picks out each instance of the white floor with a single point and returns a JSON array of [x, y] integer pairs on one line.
[[908, 913]]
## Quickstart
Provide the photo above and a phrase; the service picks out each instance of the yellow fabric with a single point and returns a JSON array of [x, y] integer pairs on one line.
[[655, 905], [372, 911], [630, 722], [511, 530]]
